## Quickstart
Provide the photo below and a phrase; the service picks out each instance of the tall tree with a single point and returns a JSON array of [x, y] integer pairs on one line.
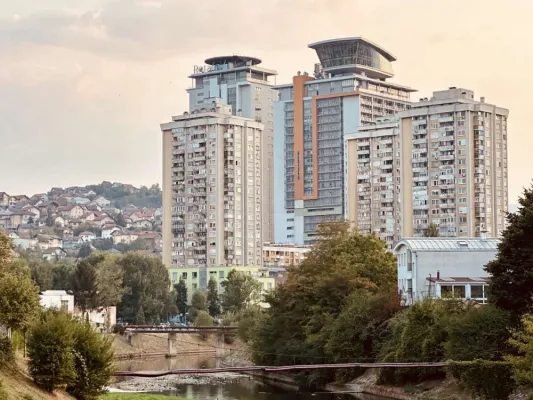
[[240, 290], [85, 250], [213, 301], [5, 250], [432, 231], [42, 273], [109, 282], [181, 296], [62, 275], [511, 273], [19, 300], [84, 286], [198, 303]]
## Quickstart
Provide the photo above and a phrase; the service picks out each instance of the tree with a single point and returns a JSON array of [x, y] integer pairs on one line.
[[5, 250], [432, 231], [198, 304], [103, 244], [511, 273], [62, 275], [84, 284], [85, 250], [213, 300], [522, 341], [42, 273], [109, 282], [51, 361], [240, 290], [139, 318], [119, 220], [19, 300], [203, 319], [146, 283], [93, 363], [181, 297]]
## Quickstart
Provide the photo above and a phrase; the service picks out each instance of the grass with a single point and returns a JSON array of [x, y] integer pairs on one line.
[[138, 396]]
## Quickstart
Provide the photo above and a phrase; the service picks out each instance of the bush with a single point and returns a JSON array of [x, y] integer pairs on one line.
[[488, 380], [51, 362], [3, 393], [203, 319], [6, 351], [93, 363], [229, 319], [119, 329]]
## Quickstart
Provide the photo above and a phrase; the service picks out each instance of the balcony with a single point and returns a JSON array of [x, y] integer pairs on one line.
[[419, 141], [448, 157], [445, 119]]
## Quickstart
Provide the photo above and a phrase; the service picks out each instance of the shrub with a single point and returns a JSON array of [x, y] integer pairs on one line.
[[489, 380], [229, 319], [203, 319], [119, 329], [3, 393], [51, 362], [93, 362], [6, 350]]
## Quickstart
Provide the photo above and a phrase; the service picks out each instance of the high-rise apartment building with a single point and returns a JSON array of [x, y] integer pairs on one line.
[[454, 165], [372, 179], [348, 89], [243, 84], [212, 191]]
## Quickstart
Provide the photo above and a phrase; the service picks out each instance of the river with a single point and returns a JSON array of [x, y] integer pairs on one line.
[[229, 387]]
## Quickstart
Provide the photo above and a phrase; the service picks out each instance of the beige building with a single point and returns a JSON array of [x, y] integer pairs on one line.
[[454, 165], [283, 255], [212, 175], [372, 181]]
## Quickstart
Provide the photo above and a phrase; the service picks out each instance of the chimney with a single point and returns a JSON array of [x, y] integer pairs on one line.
[[484, 235], [481, 99], [438, 275]]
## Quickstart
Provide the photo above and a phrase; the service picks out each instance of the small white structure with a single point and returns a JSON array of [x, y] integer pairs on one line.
[[59, 299], [427, 267], [87, 236]]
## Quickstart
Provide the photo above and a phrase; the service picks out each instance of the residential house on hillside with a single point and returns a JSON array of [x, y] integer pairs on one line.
[[152, 239], [158, 213], [103, 219], [58, 220], [26, 230], [54, 254], [11, 218], [91, 193], [40, 196], [34, 210], [142, 224], [4, 199], [111, 210], [108, 229], [23, 242], [72, 243], [93, 207], [47, 241], [73, 211], [56, 192], [87, 236], [124, 237], [102, 201], [80, 200], [18, 198]]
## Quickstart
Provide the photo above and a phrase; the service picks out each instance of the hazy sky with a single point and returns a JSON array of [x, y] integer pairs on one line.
[[84, 84]]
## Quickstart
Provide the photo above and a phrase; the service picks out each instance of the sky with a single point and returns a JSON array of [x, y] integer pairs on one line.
[[85, 84]]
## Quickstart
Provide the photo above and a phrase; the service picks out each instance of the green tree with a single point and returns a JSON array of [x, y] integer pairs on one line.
[[213, 300], [522, 363], [19, 300], [240, 290], [198, 303], [42, 273], [432, 231], [465, 343], [85, 250], [5, 250], [62, 275], [203, 319], [146, 283], [119, 220], [51, 360], [84, 284], [181, 297], [109, 282], [511, 273], [103, 244], [139, 318], [249, 322], [93, 362]]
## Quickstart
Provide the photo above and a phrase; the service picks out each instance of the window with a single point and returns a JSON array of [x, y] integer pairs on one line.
[[195, 275], [174, 276], [64, 305], [476, 291], [194, 286], [184, 275], [221, 274]]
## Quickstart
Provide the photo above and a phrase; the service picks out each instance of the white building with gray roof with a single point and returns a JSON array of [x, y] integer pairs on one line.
[[433, 267]]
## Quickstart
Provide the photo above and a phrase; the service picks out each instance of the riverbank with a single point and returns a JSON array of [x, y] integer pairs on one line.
[[139, 396]]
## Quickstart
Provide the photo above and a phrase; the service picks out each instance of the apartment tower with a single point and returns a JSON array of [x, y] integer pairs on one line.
[[454, 165], [348, 90], [211, 189], [243, 84]]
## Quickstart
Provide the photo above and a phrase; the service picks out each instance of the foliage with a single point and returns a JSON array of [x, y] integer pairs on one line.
[[62, 275], [479, 333], [522, 363], [249, 322], [87, 228], [83, 283], [139, 318], [181, 296], [109, 277], [418, 334], [198, 303], [5, 250], [511, 273], [3, 393], [119, 329], [93, 363], [147, 283], [85, 250], [229, 319], [203, 319], [213, 299], [297, 326], [6, 351], [51, 361], [103, 244], [19, 300], [490, 380], [121, 196], [42, 273], [432, 231], [240, 290]]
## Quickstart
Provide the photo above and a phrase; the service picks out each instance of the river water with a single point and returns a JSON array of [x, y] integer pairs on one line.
[[236, 388]]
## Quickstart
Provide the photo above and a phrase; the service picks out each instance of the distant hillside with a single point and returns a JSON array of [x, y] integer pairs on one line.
[[122, 194]]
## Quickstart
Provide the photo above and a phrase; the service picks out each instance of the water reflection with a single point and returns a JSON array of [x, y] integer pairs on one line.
[[243, 389]]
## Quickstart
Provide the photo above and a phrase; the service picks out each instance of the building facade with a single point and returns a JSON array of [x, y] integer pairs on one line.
[[212, 194], [243, 84], [454, 168], [430, 267], [372, 179], [284, 255], [348, 89]]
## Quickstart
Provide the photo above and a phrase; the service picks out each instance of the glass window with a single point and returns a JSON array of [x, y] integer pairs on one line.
[[459, 291], [174, 276], [184, 275], [476, 291], [221, 274]]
